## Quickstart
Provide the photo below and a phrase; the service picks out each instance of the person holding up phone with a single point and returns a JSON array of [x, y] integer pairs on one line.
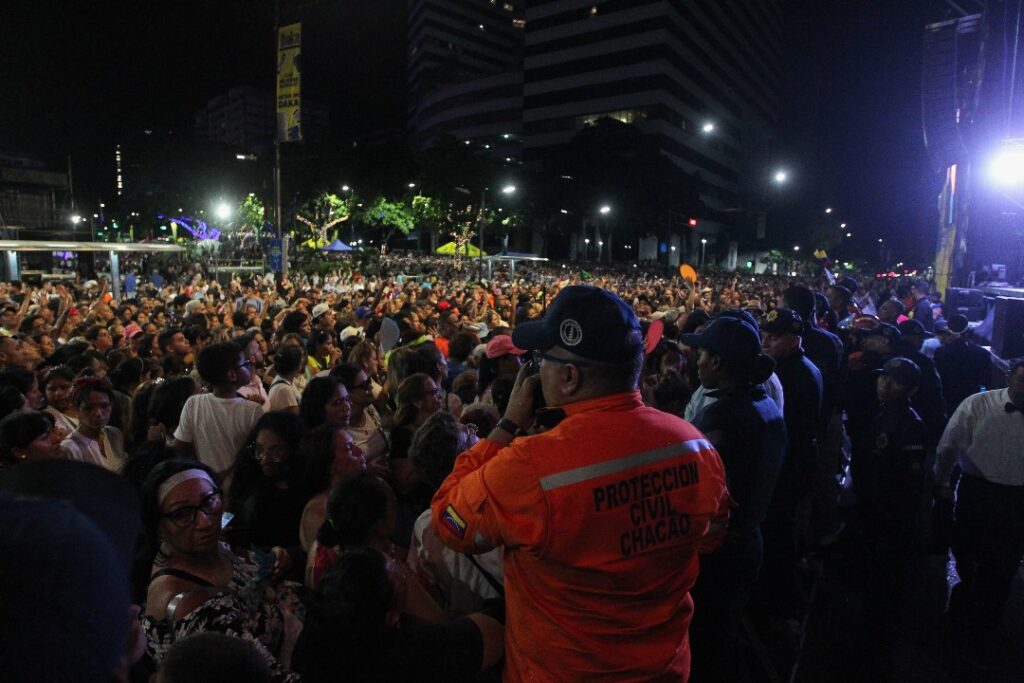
[[601, 517]]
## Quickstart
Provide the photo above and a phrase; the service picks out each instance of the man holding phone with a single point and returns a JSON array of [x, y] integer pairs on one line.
[[601, 517]]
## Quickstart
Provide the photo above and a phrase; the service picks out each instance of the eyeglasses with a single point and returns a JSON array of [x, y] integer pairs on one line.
[[274, 453], [367, 385], [185, 516], [246, 364], [539, 356]]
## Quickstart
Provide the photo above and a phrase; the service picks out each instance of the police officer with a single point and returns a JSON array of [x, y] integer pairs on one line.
[[749, 433], [928, 400], [801, 381], [874, 347], [888, 478], [601, 516], [965, 367], [825, 350]]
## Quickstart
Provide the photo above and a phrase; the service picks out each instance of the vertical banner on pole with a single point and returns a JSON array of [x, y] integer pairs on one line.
[[275, 256], [289, 47]]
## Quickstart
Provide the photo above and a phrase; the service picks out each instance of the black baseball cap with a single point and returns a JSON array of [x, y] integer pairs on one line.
[[913, 327], [733, 339], [890, 332], [588, 321], [782, 321], [903, 370]]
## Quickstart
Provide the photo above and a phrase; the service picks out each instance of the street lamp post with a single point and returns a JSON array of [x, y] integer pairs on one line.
[[586, 249], [703, 248]]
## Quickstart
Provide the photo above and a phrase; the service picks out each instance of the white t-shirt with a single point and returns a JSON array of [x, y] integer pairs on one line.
[[370, 436], [462, 586], [282, 395], [217, 428]]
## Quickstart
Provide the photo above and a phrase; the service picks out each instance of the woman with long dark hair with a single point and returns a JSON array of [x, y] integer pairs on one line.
[[331, 456], [266, 496], [325, 401]]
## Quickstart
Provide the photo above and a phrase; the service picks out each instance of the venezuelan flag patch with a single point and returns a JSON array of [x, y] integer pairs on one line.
[[454, 521]]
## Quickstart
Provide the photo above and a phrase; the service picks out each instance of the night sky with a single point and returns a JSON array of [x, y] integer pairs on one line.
[[77, 76]]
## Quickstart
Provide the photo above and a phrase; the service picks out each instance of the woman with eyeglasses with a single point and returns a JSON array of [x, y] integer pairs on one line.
[[364, 422], [266, 497], [196, 584]]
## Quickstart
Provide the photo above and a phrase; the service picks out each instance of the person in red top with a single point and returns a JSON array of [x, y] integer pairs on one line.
[[601, 517]]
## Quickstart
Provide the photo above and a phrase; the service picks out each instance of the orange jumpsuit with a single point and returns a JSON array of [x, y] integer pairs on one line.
[[602, 519]]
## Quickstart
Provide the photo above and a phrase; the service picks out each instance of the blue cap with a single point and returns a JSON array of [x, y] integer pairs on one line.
[[732, 338], [363, 312], [782, 321], [588, 321]]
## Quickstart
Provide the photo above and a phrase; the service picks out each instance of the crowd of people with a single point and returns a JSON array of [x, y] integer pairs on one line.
[[549, 474]]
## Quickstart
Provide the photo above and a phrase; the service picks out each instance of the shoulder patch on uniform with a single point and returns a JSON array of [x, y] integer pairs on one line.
[[453, 520]]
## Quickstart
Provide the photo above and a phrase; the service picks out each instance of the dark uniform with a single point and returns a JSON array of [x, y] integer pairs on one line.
[[802, 388], [889, 475], [860, 398], [750, 436], [929, 401], [965, 369]]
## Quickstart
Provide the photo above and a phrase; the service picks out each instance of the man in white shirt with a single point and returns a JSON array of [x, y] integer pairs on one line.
[[985, 436], [215, 426]]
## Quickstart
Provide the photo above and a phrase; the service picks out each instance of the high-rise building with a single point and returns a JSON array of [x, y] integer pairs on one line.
[[245, 119], [699, 77], [464, 68]]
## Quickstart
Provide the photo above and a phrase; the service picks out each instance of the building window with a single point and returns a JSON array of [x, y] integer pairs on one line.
[[623, 116], [519, 23]]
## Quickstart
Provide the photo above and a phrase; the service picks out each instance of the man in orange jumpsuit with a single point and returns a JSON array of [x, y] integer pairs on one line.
[[601, 517]]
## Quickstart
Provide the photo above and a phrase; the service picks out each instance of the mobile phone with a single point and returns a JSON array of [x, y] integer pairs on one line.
[[532, 368], [226, 518]]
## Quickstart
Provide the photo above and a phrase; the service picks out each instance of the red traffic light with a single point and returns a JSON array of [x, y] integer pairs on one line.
[[693, 222]]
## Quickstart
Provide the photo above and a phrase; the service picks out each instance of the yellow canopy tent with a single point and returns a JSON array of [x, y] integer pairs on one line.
[[469, 250]]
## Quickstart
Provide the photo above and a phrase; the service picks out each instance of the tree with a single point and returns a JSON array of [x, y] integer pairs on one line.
[[319, 215], [390, 217], [251, 216]]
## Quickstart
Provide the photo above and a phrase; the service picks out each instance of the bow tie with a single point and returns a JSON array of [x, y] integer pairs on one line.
[[1013, 408]]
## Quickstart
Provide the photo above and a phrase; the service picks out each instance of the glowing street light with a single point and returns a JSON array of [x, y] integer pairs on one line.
[[76, 219], [605, 210], [842, 225], [828, 210], [849, 234], [345, 188], [781, 176], [708, 127], [412, 185], [880, 240], [796, 247], [508, 189], [223, 211]]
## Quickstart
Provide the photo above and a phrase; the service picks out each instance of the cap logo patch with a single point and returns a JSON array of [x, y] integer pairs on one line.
[[570, 332], [772, 316]]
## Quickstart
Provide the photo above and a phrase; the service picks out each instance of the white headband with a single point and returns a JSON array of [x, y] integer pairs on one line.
[[178, 478]]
